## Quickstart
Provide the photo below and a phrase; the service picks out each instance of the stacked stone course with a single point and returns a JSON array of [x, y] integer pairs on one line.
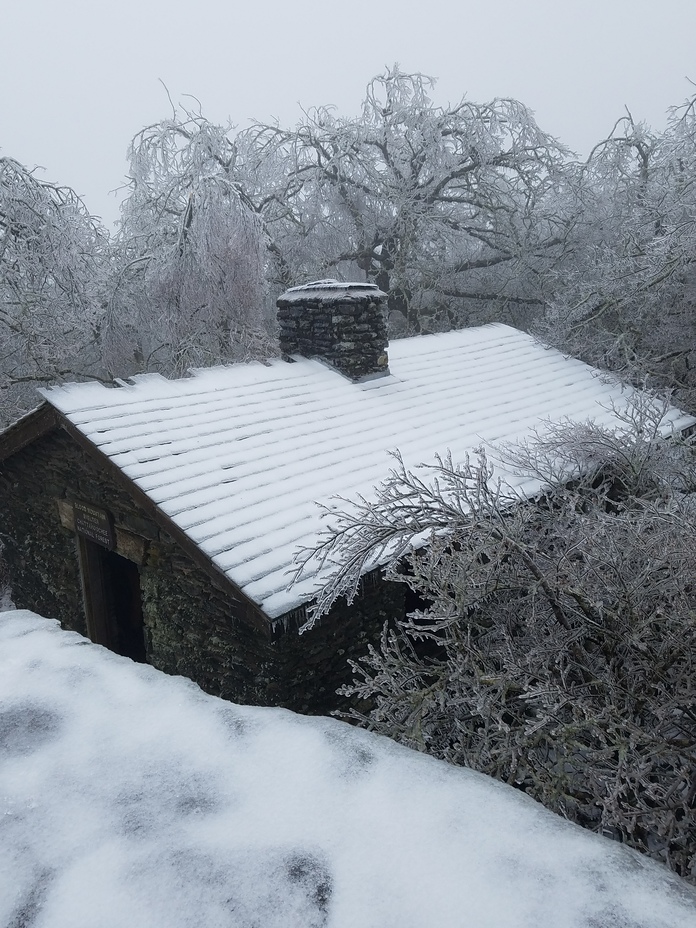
[[341, 323]]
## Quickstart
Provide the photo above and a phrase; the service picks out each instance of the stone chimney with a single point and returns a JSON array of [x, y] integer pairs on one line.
[[341, 323]]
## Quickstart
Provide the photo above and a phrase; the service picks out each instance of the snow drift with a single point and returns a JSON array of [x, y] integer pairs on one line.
[[130, 798]]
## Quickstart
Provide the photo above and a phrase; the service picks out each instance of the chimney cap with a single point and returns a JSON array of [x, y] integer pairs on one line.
[[332, 291]]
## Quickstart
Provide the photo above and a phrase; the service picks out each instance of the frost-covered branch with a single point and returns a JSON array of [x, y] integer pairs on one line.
[[555, 645]]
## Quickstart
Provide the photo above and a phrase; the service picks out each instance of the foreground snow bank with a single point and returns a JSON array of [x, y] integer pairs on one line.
[[129, 798]]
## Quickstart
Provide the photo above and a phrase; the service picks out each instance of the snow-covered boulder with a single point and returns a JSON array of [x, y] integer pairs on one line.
[[130, 799]]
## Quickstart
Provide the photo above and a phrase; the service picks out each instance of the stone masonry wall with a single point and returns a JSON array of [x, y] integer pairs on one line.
[[41, 556], [315, 663], [193, 626], [346, 329]]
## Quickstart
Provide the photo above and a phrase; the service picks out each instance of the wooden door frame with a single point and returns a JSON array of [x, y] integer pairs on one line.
[[99, 626]]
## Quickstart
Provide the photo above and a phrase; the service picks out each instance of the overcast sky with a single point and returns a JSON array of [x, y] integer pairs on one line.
[[80, 77]]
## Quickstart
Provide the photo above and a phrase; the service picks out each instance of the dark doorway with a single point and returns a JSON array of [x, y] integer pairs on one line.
[[113, 601]]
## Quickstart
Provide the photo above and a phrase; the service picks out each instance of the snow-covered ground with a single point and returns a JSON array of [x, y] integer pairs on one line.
[[129, 799]]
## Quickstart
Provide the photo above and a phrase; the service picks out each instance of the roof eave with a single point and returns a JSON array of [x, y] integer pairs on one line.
[[24, 431]]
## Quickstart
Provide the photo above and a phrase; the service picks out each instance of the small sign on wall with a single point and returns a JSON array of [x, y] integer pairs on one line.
[[95, 524]]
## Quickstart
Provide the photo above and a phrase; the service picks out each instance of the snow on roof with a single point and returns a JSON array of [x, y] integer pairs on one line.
[[333, 291], [130, 799], [238, 457]]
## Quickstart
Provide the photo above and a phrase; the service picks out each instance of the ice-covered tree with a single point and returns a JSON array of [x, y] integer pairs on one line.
[[454, 211], [188, 282], [554, 647], [626, 293], [52, 258], [463, 213]]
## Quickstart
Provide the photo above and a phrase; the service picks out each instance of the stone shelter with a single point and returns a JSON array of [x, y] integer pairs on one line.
[[162, 518]]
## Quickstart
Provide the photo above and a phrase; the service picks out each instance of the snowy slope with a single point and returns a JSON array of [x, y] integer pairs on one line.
[[238, 457], [130, 799]]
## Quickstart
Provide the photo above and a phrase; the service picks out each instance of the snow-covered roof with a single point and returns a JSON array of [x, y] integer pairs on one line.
[[333, 291], [238, 457], [130, 799]]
